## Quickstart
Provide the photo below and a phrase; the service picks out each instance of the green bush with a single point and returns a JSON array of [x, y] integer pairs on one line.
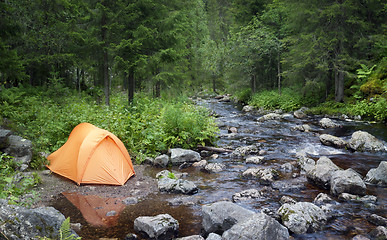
[[289, 100], [375, 110]]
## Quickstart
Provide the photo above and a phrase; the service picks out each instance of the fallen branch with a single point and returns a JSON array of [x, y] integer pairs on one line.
[[214, 149]]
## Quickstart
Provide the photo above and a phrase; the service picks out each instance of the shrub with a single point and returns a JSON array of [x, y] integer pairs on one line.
[[289, 100]]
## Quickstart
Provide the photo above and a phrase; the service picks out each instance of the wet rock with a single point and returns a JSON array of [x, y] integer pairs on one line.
[[225, 98], [299, 114], [131, 236], [193, 237], [333, 141], [177, 186], [4, 134], [255, 159], [186, 201], [360, 237], [22, 223], [302, 217], [179, 156], [328, 123], [246, 194], [358, 199], [286, 167], [332, 210], [306, 164], [200, 164], [293, 185], [378, 175], [214, 236], [347, 181], [322, 198], [221, 216], [248, 108], [244, 151], [270, 116], [130, 201], [363, 141], [377, 220], [76, 226], [214, 156], [265, 175], [162, 226], [161, 161], [214, 167], [232, 130], [379, 233], [321, 173], [258, 226], [302, 128], [287, 199]]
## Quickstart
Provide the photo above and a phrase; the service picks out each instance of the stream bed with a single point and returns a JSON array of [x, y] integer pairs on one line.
[[280, 144]]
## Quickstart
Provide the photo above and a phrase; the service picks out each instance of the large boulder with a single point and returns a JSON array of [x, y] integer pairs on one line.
[[22, 223], [180, 156], [321, 173], [378, 175], [221, 216], [328, 123], [347, 181], [302, 217], [161, 161], [176, 186], [305, 163], [265, 175], [333, 141], [21, 149], [4, 134], [363, 141], [162, 226], [258, 226]]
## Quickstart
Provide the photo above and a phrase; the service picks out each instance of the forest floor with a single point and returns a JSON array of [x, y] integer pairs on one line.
[[137, 187]]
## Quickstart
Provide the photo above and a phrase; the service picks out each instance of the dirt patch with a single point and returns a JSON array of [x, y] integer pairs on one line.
[[138, 186]]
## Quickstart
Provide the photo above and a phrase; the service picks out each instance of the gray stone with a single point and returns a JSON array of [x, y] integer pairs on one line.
[[322, 198], [244, 151], [377, 220], [246, 194], [321, 173], [179, 156], [287, 199], [111, 214], [20, 148], [200, 164], [214, 167], [161, 161], [333, 141], [347, 181], [328, 123], [299, 114], [379, 233], [4, 134], [363, 141], [378, 175], [22, 223], [248, 108], [221, 216], [360, 237], [232, 130], [255, 159], [358, 199], [131, 236], [306, 164], [162, 226], [270, 116], [193, 237], [258, 226], [176, 186], [265, 175], [214, 236], [130, 201], [286, 167], [302, 217]]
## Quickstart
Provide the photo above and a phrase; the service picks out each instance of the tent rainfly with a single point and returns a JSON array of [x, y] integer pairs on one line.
[[92, 156]]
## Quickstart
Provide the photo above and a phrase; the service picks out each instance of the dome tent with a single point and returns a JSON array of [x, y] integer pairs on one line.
[[93, 156]]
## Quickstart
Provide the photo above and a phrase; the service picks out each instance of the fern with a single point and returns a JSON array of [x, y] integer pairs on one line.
[[65, 231]]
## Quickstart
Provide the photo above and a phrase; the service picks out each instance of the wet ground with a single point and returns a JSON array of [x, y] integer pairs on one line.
[[90, 205]]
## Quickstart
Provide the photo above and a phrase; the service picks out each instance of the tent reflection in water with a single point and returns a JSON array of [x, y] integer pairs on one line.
[[92, 156], [95, 209]]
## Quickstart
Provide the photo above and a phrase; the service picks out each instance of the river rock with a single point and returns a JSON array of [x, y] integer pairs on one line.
[[302, 217], [246, 194], [221, 216], [225, 98], [22, 223], [161, 161], [379, 233], [255, 159], [265, 175], [321, 173], [270, 116], [162, 226], [322, 198], [200, 164], [248, 108], [358, 199], [306, 164], [193, 237], [4, 134], [360, 237], [378, 175], [302, 128], [287, 199], [179, 156], [214, 236], [130, 236], [176, 186], [333, 141], [363, 141], [328, 123], [244, 151], [258, 226], [377, 220], [347, 181], [232, 130], [299, 114], [286, 167], [21, 149], [214, 167]]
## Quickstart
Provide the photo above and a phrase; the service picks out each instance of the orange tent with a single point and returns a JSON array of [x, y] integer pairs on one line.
[[92, 155]]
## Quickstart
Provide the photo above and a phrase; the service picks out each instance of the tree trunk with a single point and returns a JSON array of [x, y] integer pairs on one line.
[[339, 85], [105, 59], [253, 84], [131, 85], [157, 89]]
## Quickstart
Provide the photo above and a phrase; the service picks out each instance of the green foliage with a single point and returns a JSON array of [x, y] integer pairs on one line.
[[65, 231], [375, 110], [244, 95], [313, 93], [289, 100], [12, 185]]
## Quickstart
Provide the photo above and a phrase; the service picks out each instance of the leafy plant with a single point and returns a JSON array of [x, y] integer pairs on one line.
[[65, 231]]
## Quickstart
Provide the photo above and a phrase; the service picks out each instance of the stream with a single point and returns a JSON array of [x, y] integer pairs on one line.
[[280, 144]]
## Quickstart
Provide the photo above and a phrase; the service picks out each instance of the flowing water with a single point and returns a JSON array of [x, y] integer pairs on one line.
[[281, 145]]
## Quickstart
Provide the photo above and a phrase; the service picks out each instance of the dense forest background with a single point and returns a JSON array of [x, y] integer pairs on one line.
[[326, 50]]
